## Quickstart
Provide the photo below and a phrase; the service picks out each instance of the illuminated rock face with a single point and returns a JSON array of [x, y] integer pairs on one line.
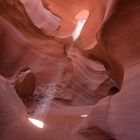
[[41, 17], [75, 75]]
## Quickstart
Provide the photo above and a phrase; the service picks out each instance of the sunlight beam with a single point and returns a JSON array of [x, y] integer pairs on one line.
[[80, 19], [78, 29]]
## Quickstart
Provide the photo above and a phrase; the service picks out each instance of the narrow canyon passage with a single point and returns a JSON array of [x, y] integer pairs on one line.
[[69, 70]]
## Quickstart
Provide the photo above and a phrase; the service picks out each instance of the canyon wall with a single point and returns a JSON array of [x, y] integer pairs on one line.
[[97, 75]]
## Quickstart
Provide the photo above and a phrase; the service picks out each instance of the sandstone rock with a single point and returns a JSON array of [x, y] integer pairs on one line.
[[25, 83], [11, 106], [89, 89]]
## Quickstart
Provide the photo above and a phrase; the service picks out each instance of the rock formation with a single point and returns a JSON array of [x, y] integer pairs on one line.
[[84, 88], [25, 83]]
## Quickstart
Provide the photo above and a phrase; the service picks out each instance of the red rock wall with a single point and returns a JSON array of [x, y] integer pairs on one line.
[[105, 55]]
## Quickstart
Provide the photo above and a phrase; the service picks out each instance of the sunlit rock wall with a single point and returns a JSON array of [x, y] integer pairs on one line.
[[105, 56], [28, 40], [118, 115]]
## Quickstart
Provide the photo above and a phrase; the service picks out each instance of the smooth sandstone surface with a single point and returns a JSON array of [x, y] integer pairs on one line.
[[97, 75]]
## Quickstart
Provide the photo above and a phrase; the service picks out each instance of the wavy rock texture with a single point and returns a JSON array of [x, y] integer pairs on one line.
[[72, 78]]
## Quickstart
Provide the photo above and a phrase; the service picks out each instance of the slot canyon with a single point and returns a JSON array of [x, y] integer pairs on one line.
[[69, 69]]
